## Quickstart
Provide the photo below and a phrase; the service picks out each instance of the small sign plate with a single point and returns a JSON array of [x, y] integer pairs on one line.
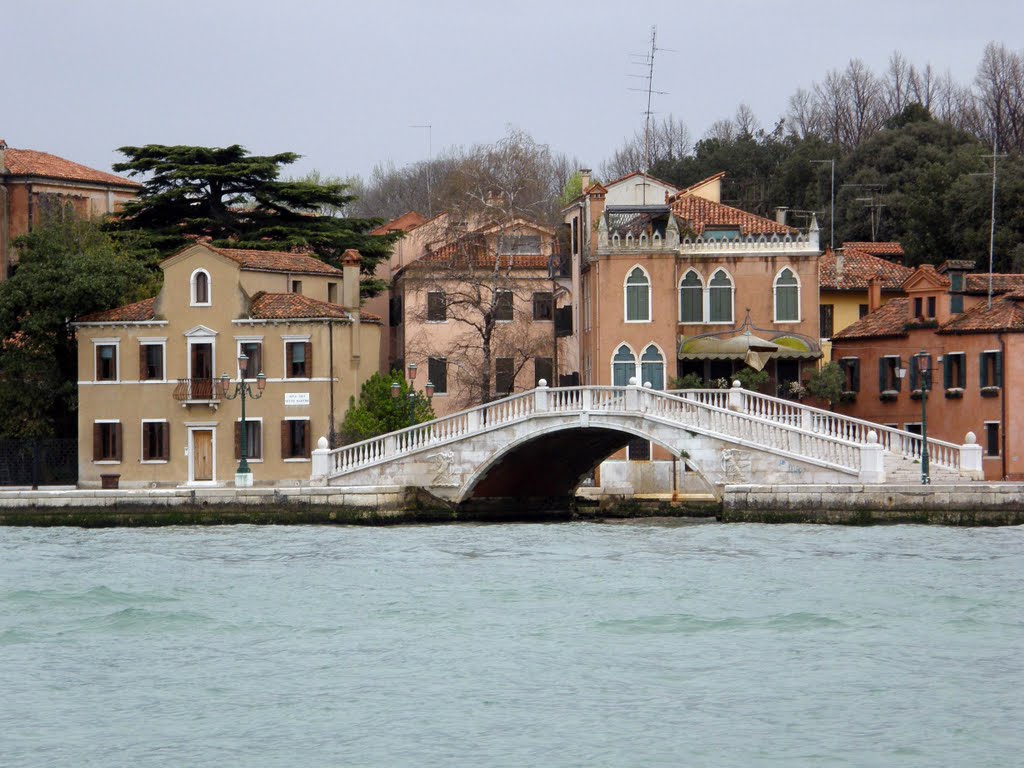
[[296, 398]]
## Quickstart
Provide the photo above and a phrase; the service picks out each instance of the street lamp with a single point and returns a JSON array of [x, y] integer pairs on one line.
[[396, 392], [924, 371], [243, 477]]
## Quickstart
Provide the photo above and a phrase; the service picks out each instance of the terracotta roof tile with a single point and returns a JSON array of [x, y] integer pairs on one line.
[[877, 249], [293, 306], [140, 311], [888, 320], [1005, 314], [699, 214], [456, 255], [29, 162], [278, 261], [404, 223], [978, 282], [857, 268]]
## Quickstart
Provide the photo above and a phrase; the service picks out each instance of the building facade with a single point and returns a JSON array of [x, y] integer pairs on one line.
[[976, 351], [151, 409], [36, 184]]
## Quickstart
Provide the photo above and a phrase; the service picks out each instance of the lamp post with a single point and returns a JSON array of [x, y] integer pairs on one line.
[[242, 390], [396, 392], [924, 371]]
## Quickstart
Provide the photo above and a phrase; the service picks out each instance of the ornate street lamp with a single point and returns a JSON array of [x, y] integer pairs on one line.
[[396, 392], [242, 390], [924, 371]]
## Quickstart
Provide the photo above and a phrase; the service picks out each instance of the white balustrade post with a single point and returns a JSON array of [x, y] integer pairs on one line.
[[586, 400], [390, 445], [540, 397], [736, 397], [806, 420], [321, 465], [633, 395], [872, 460], [970, 458], [473, 421]]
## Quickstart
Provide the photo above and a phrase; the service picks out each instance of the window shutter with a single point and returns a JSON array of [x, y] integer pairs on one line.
[[142, 362], [238, 440], [97, 442], [981, 370], [307, 432], [947, 372], [881, 374], [117, 442], [165, 441], [855, 376], [962, 379], [897, 379], [147, 434], [999, 369], [309, 360], [284, 440], [99, 363]]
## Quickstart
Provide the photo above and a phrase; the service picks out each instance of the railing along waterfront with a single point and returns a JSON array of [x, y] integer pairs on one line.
[[705, 411], [820, 421]]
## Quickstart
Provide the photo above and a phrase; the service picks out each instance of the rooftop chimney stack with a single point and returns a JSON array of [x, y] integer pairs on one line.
[[584, 179], [780, 215]]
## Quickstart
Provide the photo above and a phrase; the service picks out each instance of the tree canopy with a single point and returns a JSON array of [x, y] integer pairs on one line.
[[67, 268], [238, 200], [378, 412]]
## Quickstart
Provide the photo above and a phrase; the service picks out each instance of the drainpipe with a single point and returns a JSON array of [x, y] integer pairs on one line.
[[1002, 404], [330, 343]]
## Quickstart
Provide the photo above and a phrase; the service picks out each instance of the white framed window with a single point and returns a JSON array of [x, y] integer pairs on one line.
[[107, 360], [298, 357], [720, 297], [787, 296], [201, 288], [107, 445], [623, 365], [251, 347], [156, 441], [152, 359], [253, 439], [652, 367], [691, 298], [296, 437], [637, 296]]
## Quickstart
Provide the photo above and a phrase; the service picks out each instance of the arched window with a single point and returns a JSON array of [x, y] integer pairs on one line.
[[638, 297], [691, 298], [787, 297], [200, 287], [623, 366], [720, 297], [652, 367]]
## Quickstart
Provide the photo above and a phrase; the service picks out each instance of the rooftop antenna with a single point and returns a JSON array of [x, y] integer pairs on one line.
[[430, 161], [873, 205], [647, 62], [992, 222]]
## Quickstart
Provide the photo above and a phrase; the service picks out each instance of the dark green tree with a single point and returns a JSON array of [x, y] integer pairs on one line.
[[67, 268], [827, 383], [239, 200], [379, 412]]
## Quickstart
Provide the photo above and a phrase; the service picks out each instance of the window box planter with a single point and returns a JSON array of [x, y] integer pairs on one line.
[[848, 396], [915, 394], [990, 391], [954, 393], [888, 396]]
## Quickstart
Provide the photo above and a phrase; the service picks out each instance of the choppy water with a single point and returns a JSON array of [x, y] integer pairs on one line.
[[512, 645]]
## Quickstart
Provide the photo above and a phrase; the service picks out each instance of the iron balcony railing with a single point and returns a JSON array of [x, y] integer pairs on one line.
[[196, 390]]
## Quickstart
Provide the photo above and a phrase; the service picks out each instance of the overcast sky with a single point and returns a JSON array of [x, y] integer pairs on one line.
[[342, 82]]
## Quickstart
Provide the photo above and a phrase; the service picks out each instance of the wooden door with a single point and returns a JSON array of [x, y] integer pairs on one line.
[[202, 454]]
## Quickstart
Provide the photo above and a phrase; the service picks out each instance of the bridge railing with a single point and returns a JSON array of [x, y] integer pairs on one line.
[[818, 420]]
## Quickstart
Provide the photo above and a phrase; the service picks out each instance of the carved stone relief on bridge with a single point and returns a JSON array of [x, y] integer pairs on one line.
[[736, 466], [443, 477]]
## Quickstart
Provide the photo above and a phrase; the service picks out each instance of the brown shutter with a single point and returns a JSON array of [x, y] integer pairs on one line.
[[165, 442], [99, 366], [117, 442], [97, 442], [238, 440], [142, 362], [147, 430], [305, 443], [284, 439], [309, 360]]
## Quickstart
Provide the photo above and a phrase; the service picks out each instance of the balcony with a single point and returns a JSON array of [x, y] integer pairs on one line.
[[197, 391]]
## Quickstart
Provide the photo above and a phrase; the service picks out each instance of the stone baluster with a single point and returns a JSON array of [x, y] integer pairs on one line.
[[736, 397], [540, 397], [321, 465], [872, 466], [970, 458]]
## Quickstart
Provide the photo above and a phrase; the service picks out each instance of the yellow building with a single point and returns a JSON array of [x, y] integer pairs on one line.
[[152, 410], [854, 280]]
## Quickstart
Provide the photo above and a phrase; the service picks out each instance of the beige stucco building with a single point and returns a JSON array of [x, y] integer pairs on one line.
[[151, 409]]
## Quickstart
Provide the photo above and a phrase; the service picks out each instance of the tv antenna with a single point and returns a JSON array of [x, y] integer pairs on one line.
[[430, 160], [832, 210], [647, 62], [992, 221], [874, 205]]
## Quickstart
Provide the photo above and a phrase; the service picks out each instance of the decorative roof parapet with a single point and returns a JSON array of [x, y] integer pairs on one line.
[[752, 244]]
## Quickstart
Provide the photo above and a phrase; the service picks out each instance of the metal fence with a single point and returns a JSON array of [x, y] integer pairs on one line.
[[38, 461]]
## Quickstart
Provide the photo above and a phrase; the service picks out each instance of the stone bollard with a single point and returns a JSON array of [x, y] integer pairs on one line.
[[736, 397], [321, 466], [970, 458], [540, 397], [872, 460]]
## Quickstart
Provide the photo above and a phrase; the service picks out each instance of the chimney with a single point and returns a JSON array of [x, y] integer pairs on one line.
[[3, 146], [780, 215], [350, 261], [584, 179], [874, 293]]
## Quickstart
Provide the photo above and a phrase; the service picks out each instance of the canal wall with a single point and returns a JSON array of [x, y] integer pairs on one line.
[[975, 503]]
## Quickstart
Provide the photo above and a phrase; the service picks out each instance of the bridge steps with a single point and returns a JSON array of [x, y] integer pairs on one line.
[[902, 470]]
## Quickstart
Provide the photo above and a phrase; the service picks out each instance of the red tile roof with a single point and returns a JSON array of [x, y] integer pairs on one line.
[[700, 214], [888, 320], [29, 162], [857, 268], [140, 311], [404, 223], [978, 283], [457, 255], [1005, 314], [293, 306], [277, 261], [877, 249]]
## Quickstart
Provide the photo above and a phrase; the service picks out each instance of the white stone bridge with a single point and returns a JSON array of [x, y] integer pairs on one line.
[[541, 443]]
